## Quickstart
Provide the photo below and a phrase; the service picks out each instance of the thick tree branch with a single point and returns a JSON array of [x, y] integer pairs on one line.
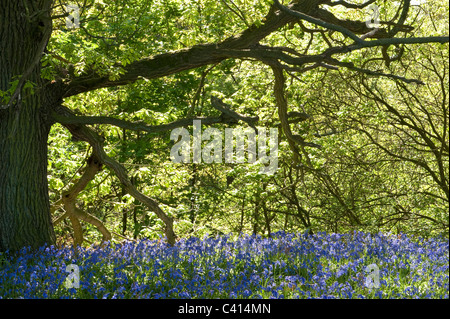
[[350, 28], [246, 45], [319, 22], [173, 62], [227, 116], [74, 213], [84, 133], [351, 66], [348, 4], [132, 126], [227, 111]]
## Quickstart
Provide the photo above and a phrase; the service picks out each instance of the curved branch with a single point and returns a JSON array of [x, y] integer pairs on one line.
[[293, 139], [177, 61], [227, 116], [84, 133], [351, 66], [132, 126], [227, 111], [326, 25], [74, 213], [348, 4], [402, 19], [246, 45]]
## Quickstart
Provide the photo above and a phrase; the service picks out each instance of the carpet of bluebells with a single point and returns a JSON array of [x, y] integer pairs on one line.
[[287, 265]]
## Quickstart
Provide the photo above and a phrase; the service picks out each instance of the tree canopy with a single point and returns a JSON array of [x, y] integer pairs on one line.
[[358, 92]]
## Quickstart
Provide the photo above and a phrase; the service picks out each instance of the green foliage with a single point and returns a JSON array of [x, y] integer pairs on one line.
[[350, 183]]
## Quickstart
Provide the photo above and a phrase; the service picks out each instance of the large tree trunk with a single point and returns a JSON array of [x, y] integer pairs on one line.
[[24, 203]]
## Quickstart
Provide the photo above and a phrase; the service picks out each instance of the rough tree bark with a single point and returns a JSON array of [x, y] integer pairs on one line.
[[24, 127]]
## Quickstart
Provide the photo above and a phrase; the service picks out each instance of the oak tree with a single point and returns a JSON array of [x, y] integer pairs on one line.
[[35, 81]]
